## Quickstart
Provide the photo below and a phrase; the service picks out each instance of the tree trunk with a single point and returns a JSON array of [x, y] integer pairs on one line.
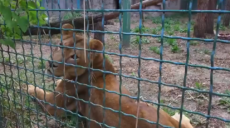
[[200, 25], [184, 4], [210, 17], [97, 35], [227, 16]]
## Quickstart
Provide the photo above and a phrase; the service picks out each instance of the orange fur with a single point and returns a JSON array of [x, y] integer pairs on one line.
[[112, 100]]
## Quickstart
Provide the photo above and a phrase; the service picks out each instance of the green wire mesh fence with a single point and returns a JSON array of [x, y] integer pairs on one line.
[[164, 65]]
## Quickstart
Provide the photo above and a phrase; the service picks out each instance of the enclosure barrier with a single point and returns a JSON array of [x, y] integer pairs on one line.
[[17, 108]]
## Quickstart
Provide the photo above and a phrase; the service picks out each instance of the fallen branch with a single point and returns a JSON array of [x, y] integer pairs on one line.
[[79, 22]]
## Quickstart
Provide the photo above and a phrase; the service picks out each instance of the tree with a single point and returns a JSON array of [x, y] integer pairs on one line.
[[204, 21], [226, 18], [200, 24], [210, 17]]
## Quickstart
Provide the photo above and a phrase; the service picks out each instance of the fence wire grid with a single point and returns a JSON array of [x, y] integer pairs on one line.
[[26, 65]]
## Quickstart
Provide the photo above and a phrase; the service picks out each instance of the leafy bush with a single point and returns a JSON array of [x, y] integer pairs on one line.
[[71, 15], [137, 39], [155, 49], [13, 22], [175, 48], [143, 29]]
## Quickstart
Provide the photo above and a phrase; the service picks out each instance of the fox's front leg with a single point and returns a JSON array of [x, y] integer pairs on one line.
[[58, 82], [52, 99], [40, 93]]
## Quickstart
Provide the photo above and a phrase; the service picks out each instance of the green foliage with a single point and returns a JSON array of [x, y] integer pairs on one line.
[[225, 101], [206, 51], [223, 28], [112, 37], [109, 58], [167, 27], [199, 86], [168, 110], [192, 22], [156, 30], [170, 32], [133, 74], [159, 40], [155, 49], [171, 42], [157, 20], [7, 60], [41, 64], [171, 25], [71, 15], [175, 48], [227, 92], [183, 30], [137, 39], [13, 22], [143, 29], [194, 43], [176, 27], [16, 105], [20, 59]]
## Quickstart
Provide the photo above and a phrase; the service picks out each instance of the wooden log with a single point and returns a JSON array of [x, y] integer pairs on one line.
[[79, 22]]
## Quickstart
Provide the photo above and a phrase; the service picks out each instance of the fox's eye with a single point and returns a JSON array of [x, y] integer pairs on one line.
[[73, 56], [60, 44]]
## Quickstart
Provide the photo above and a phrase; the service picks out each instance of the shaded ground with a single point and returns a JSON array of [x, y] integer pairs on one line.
[[174, 50]]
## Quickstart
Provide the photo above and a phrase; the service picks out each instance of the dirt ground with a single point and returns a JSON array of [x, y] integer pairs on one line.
[[175, 53]]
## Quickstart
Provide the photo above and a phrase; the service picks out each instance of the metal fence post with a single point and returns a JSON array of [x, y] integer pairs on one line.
[[126, 4], [78, 4]]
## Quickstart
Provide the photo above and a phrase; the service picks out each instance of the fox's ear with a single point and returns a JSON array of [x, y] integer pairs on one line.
[[67, 26], [95, 45]]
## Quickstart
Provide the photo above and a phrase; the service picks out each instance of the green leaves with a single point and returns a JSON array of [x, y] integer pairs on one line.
[[32, 5], [8, 42], [7, 17], [36, 18], [6, 12], [12, 23], [23, 23], [22, 4]]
